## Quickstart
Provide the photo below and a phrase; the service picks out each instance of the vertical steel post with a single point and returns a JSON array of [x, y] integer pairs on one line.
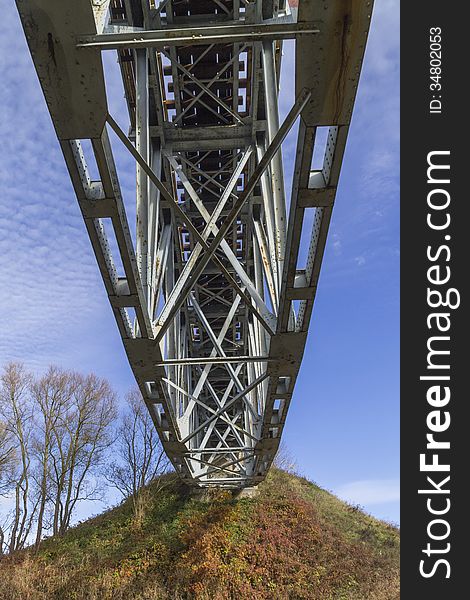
[[272, 119], [143, 148]]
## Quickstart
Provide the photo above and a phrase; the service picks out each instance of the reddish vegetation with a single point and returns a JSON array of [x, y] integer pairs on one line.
[[292, 542], [279, 549]]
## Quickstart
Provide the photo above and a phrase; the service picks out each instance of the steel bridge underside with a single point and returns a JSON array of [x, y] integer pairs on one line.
[[210, 292]]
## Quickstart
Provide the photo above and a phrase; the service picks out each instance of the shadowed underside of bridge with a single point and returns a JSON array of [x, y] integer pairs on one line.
[[209, 291]]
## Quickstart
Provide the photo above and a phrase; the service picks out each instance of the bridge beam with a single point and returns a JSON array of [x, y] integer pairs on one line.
[[211, 302], [118, 37]]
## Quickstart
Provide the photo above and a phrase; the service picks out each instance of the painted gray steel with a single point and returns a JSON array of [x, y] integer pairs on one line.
[[211, 302]]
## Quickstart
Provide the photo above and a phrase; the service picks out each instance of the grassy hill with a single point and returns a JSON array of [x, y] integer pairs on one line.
[[293, 541]]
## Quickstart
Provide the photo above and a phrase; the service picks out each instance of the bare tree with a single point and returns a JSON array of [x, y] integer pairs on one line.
[[140, 457], [51, 395], [284, 459], [81, 435], [8, 463], [8, 459], [16, 415], [54, 434]]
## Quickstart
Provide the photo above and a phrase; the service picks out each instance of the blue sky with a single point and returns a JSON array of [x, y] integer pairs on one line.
[[343, 424]]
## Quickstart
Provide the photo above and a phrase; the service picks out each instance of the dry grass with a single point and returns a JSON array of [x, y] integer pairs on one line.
[[293, 542]]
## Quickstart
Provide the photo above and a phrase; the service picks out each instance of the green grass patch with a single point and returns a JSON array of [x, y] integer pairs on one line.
[[293, 541]]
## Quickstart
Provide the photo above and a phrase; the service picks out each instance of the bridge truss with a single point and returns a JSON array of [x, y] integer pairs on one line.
[[208, 292]]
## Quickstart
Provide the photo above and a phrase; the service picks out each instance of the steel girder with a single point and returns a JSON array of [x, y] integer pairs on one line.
[[211, 302]]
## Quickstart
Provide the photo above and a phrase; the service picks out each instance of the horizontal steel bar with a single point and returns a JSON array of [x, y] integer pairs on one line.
[[226, 450], [214, 137], [209, 360], [190, 36], [225, 467]]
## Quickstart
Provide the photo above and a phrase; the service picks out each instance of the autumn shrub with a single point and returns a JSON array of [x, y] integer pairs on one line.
[[293, 541], [271, 547]]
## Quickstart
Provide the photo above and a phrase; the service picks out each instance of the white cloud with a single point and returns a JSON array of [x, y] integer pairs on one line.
[[370, 491], [360, 260], [385, 26], [336, 244], [53, 301]]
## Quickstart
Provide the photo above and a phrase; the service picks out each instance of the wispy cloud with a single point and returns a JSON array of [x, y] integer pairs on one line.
[[366, 215], [370, 491], [52, 296], [360, 261], [336, 243], [376, 116]]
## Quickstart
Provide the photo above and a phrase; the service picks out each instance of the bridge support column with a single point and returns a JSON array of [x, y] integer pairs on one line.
[[248, 492]]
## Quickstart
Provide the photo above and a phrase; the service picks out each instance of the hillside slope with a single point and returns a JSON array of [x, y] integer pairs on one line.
[[293, 541]]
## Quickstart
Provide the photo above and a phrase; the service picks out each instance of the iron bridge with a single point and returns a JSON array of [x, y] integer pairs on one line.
[[210, 295]]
